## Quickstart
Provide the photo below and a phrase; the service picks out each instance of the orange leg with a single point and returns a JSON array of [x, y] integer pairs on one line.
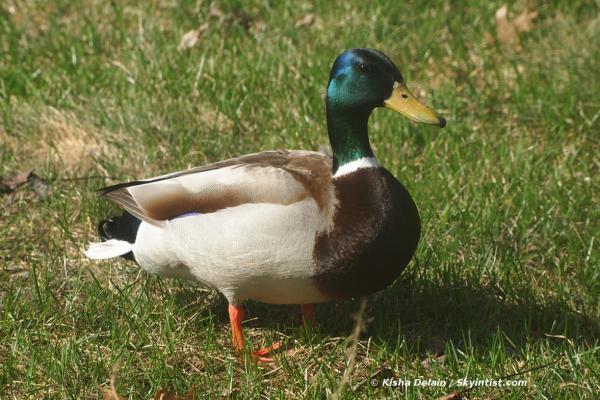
[[308, 315], [236, 315]]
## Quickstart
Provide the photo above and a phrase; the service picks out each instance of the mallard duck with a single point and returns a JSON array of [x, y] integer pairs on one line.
[[282, 227]]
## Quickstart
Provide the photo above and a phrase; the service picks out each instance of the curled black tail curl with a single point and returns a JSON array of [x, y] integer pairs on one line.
[[124, 228]]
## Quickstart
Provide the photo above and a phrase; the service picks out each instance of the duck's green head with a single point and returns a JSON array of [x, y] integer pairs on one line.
[[360, 81]]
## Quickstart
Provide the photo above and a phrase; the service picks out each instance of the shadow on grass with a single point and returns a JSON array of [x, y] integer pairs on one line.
[[425, 314]]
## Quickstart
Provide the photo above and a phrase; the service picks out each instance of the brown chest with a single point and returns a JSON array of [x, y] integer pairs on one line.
[[376, 228]]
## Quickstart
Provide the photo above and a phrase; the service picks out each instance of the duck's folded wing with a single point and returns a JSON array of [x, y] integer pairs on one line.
[[281, 177]]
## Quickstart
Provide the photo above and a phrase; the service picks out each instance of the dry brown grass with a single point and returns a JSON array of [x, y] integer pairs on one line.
[[60, 139]]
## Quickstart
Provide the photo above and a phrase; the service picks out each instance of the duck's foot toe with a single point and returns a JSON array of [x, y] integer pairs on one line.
[[261, 354]]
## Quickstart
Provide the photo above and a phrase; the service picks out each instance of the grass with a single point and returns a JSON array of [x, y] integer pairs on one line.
[[507, 274]]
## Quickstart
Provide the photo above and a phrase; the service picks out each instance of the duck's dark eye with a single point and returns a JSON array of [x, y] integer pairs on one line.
[[364, 68]]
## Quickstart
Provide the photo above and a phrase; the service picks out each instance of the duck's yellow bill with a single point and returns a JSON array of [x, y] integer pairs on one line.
[[403, 101]]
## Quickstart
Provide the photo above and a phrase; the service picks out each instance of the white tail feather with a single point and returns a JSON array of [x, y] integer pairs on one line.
[[109, 249]]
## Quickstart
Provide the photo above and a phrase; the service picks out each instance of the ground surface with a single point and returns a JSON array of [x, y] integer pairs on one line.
[[507, 273]]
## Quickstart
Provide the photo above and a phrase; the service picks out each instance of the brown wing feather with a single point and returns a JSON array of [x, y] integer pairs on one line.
[[166, 200], [123, 198]]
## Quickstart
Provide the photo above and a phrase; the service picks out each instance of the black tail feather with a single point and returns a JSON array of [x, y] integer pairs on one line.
[[124, 228]]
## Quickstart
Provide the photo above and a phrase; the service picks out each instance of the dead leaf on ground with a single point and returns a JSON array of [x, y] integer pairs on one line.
[[110, 394], [306, 21], [10, 184], [507, 29], [38, 185], [190, 39], [215, 12], [164, 395], [451, 396], [25, 178], [524, 21]]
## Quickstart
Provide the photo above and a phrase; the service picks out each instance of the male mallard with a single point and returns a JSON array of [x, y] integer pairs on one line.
[[283, 227]]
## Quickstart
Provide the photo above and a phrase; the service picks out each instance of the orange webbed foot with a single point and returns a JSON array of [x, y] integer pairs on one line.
[[236, 316]]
